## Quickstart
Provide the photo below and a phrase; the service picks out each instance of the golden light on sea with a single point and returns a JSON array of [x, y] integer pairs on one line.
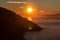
[[29, 18]]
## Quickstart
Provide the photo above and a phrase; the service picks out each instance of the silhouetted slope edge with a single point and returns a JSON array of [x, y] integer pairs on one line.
[[13, 26]]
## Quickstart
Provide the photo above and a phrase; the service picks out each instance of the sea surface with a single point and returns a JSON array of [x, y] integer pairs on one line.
[[51, 30]]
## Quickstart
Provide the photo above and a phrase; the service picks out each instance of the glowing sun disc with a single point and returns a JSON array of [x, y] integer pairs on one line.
[[29, 9]]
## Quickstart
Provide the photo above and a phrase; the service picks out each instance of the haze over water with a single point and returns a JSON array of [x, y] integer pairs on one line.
[[51, 31]]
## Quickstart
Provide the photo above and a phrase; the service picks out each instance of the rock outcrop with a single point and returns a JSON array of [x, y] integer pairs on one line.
[[13, 26]]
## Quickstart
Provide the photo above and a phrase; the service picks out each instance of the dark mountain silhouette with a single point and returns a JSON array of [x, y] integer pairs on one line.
[[13, 26]]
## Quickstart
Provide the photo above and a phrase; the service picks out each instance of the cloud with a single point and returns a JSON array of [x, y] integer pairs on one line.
[[15, 2]]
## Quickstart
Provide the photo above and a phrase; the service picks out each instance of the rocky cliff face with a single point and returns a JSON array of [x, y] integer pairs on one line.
[[13, 26]]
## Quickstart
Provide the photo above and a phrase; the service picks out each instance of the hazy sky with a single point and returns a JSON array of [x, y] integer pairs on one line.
[[39, 4]]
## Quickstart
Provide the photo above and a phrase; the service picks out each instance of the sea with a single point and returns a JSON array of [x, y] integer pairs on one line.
[[51, 30]]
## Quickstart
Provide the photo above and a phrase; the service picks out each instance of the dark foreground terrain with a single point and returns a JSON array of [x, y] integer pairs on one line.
[[13, 26]]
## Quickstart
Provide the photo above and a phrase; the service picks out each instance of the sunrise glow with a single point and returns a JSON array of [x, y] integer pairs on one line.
[[29, 10], [29, 18]]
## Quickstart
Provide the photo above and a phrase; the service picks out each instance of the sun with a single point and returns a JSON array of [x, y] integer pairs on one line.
[[29, 10]]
